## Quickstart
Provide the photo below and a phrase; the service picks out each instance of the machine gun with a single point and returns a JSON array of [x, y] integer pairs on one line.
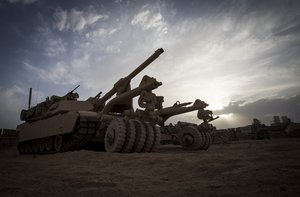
[[71, 95]]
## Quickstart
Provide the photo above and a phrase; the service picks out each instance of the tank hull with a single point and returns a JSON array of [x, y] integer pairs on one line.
[[62, 132], [59, 124]]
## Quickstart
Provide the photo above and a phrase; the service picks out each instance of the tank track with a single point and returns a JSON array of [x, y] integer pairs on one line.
[[84, 131], [131, 136]]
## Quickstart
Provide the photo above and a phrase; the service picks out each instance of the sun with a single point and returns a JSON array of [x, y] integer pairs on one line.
[[228, 117]]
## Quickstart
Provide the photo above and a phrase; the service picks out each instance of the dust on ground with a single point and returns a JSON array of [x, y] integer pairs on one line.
[[242, 168]]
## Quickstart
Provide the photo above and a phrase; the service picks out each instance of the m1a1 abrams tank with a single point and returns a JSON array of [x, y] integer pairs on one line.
[[64, 123]]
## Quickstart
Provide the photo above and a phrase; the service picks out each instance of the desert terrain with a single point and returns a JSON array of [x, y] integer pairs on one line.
[[241, 168]]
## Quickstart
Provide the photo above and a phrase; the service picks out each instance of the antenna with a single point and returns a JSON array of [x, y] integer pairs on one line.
[[74, 89], [37, 91], [29, 99]]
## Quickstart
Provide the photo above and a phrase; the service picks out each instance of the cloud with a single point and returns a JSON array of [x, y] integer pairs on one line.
[[75, 20], [292, 26], [217, 58], [12, 100], [11, 105], [148, 20], [100, 33], [22, 1], [59, 73], [220, 54], [55, 47], [263, 109]]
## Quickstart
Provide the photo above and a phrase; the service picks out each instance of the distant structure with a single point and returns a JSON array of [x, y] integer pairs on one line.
[[281, 126], [8, 137], [285, 120], [276, 119], [259, 131], [277, 126]]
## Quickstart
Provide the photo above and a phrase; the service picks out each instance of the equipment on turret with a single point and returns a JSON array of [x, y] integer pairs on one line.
[[29, 99]]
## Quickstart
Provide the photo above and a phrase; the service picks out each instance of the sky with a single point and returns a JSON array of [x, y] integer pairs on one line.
[[241, 57]]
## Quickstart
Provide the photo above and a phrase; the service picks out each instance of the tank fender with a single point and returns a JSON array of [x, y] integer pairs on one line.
[[88, 116]]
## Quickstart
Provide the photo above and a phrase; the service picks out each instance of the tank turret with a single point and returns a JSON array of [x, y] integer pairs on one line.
[[40, 111]]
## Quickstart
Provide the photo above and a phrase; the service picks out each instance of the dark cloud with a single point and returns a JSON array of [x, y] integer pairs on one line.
[[215, 50], [264, 108], [291, 27]]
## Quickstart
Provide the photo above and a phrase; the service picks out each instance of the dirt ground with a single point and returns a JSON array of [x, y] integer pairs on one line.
[[242, 168]]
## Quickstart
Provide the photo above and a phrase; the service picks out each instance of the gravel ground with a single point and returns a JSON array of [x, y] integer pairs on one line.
[[242, 168]]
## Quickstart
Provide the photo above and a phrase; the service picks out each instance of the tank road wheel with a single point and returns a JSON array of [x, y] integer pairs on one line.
[[130, 137], [149, 137], [157, 137], [115, 135], [140, 136], [208, 141], [36, 146], [37, 143], [25, 147], [190, 138], [30, 146], [48, 146], [42, 145], [58, 142], [21, 148]]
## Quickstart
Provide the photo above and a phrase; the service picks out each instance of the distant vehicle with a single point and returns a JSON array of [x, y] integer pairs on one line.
[[259, 131]]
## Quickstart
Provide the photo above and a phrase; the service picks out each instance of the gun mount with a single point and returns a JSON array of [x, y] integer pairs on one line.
[[122, 85], [66, 124]]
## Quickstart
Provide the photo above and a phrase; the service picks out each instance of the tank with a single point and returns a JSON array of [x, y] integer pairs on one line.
[[65, 123]]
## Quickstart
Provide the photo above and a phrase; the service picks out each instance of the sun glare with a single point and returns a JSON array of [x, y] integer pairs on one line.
[[215, 106], [228, 117]]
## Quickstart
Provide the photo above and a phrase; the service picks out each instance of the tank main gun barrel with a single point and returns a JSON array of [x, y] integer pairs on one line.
[[124, 82]]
